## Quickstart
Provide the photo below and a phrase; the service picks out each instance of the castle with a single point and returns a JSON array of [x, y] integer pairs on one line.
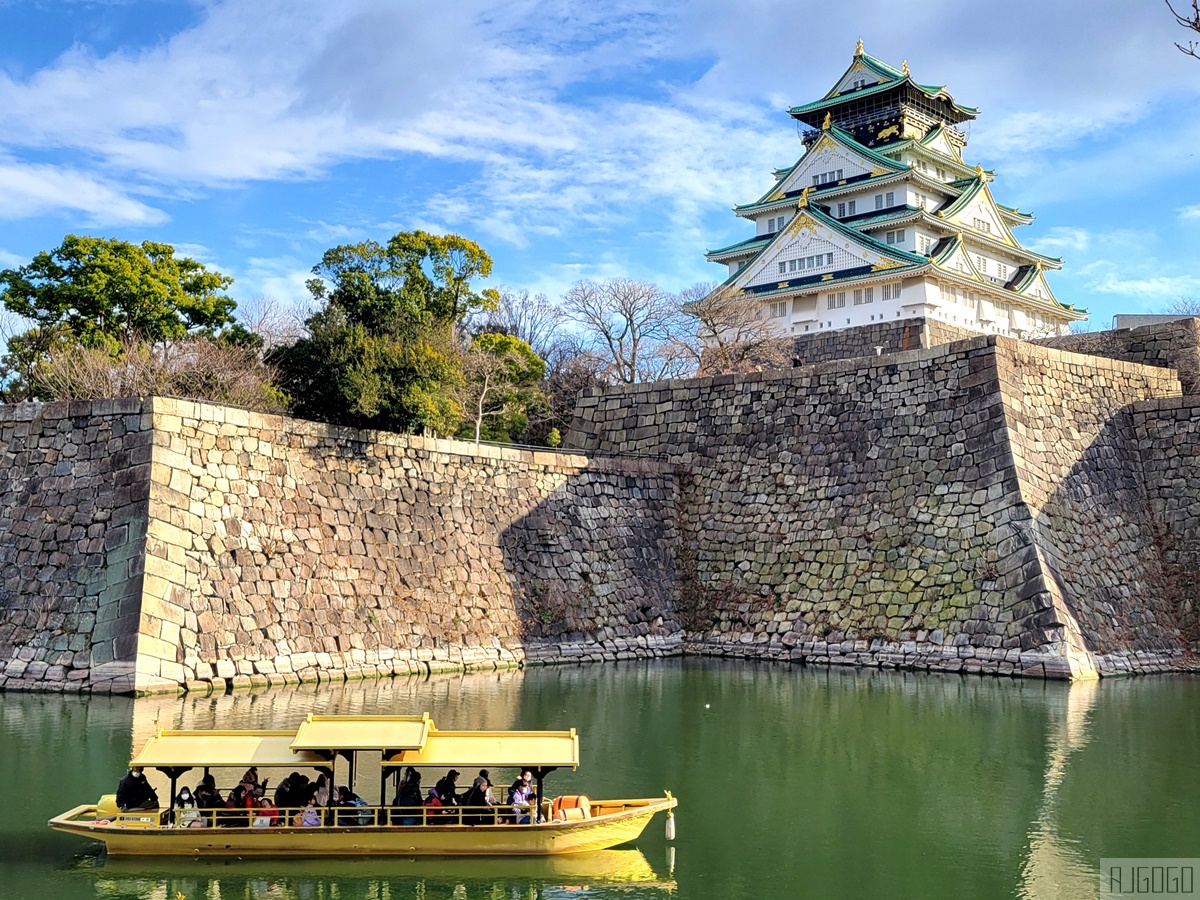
[[881, 220], [923, 491]]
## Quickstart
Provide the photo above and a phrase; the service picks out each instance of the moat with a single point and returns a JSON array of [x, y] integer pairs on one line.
[[792, 781]]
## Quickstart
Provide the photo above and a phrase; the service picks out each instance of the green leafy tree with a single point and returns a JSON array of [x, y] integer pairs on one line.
[[381, 350], [501, 374], [103, 293], [100, 290]]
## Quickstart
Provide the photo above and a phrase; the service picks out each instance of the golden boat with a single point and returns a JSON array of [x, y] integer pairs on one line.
[[552, 826]]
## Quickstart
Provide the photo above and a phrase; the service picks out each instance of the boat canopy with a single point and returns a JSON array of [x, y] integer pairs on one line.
[[468, 749], [382, 733], [192, 749]]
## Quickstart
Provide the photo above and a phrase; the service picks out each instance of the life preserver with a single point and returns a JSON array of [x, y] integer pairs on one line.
[[578, 804]]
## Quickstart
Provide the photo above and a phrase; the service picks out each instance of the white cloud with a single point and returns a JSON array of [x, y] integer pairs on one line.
[[624, 121], [1108, 277], [1190, 213], [32, 190]]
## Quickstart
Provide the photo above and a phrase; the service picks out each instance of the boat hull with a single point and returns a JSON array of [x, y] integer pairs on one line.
[[552, 838]]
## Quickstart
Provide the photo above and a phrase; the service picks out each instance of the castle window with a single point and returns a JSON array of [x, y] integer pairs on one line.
[[783, 268], [841, 210], [922, 201], [981, 264], [779, 310], [837, 301], [850, 206], [890, 292], [895, 237], [863, 295], [923, 244], [793, 266], [891, 198], [879, 201], [1002, 270], [827, 177], [982, 225]]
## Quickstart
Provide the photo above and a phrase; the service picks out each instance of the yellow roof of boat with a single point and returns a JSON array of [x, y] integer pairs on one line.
[[493, 748], [223, 748], [381, 733]]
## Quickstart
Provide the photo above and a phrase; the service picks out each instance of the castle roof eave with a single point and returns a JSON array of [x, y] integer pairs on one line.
[[933, 92]]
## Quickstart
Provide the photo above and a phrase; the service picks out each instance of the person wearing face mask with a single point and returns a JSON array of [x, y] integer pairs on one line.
[[134, 792], [187, 815]]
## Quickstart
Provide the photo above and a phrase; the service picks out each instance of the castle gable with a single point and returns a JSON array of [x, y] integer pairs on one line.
[[827, 161], [977, 210], [812, 247], [938, 142]]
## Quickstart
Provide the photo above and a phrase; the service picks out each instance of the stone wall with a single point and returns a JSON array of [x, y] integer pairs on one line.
[[1173, 345], [73, 493], [871, 340], [881, 511], [277, 550], [1169, 431]]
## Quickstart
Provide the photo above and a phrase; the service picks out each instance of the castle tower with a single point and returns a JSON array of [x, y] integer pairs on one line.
[[881, 219]]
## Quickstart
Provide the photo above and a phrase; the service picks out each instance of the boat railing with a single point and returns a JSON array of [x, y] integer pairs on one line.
[[341, 816]]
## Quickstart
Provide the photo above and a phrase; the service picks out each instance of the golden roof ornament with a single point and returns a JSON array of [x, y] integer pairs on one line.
[[803, 204], [904, 66], [828, 123], [858, 51], [979, 173]]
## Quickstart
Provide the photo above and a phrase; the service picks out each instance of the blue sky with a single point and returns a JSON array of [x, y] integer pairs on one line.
[[571, 140]]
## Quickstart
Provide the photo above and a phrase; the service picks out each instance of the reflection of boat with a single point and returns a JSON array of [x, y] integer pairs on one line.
[[562, 826], [608, 867]]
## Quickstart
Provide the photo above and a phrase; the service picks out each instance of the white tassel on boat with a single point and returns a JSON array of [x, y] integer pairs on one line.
[[670, 824]]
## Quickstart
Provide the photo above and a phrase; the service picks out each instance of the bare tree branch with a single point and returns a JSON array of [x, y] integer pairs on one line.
[[635, 327], [534, 319], [1191, 22], [733, 332]]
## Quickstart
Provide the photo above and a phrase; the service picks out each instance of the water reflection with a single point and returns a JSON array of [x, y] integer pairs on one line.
[[606, 873], [791, 781], [1053, 866]]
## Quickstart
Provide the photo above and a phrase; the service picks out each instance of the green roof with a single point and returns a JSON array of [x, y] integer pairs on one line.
[[754, 243], [893, 77]]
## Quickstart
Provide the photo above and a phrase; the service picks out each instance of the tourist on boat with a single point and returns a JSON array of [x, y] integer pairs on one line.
[[520, 796], [186, 813], [310, 816], [251, 777], [479, 796], [447, 788], [266, 815], [293, 791], [433, 802], [351, 808], [322, 791], [134, 792], [407, 800]]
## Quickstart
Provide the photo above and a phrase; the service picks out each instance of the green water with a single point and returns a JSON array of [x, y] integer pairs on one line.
[[792, 782]]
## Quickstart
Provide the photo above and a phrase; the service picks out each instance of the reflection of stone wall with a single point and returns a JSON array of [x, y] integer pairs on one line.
[[959, 508], [278, 550]]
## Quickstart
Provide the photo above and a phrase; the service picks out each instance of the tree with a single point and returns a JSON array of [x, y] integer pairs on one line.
[[500, 382], [733, 334], [534, 319], [381, 351], [99, 291], [634, 326], [196, 367], [1191, 22]]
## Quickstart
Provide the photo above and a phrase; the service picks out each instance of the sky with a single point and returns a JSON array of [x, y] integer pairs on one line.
[[572, 140]]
